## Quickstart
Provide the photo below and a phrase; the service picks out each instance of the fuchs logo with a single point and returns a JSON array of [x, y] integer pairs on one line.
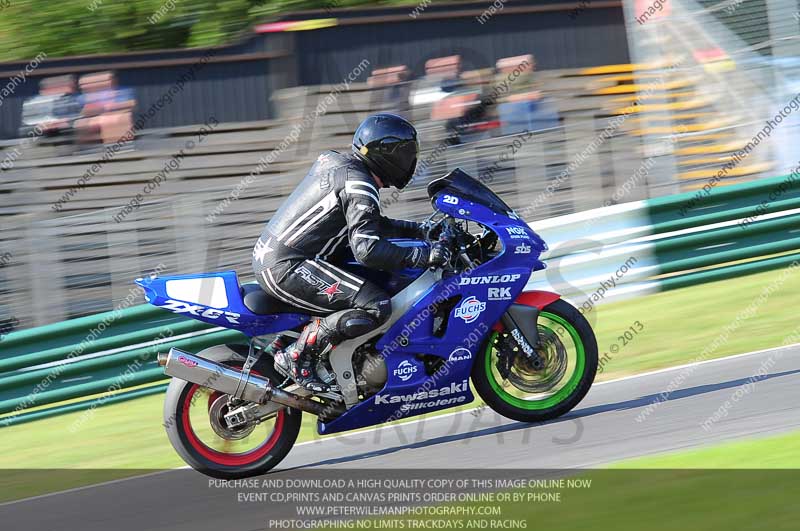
[[522, 249], [517, 233], [460, 354], [186, 361], [405, 370], [200, 311], [491, 279], [499, 294], [451, 389], [470, 309]]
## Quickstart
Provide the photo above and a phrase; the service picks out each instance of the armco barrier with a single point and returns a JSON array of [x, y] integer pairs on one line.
[[43, 367], [730, 231], [644, 246]]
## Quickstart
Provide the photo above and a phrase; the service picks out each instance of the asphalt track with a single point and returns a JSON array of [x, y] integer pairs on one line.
[[753, 395]]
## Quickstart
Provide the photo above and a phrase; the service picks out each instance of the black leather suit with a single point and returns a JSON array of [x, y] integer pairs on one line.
[[337, 204]]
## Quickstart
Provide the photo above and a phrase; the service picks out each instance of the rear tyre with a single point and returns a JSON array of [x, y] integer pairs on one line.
[[569, 349], [247, 453]]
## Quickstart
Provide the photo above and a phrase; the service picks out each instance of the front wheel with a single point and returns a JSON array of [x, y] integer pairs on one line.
[[193, 419], [568, 348]]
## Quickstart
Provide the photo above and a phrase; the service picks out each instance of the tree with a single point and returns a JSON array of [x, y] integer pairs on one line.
[[80, 27]]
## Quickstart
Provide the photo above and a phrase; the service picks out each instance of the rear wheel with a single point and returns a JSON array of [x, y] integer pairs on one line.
[[568, 348], [193, 419]]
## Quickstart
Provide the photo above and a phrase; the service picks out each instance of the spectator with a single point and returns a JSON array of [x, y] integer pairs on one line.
[[107, 111], [443, 74], [522, 108], [54, 110], [391, 85], [440, 76], [478, 122], [456, 98]]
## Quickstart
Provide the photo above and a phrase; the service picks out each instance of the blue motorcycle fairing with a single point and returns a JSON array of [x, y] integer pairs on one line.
[[482, 296]]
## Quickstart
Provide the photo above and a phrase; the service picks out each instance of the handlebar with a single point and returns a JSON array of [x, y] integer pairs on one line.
[[452, 236]]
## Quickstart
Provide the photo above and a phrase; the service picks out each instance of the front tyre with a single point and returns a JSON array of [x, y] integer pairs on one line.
[[253, 451], [569, 349]]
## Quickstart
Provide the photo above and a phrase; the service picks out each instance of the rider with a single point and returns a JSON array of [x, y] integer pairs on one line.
[[337, 205]]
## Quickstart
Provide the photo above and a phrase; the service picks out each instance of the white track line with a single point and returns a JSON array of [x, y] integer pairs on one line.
[[87, 487], [411, 422]]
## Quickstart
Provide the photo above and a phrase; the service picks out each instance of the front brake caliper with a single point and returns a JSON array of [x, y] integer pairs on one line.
[[527, 350], [505, 355]]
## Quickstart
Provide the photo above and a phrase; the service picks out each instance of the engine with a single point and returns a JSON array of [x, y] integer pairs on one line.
[[370, 368]]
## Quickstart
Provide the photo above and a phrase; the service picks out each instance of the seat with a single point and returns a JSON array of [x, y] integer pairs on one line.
[[260, 302]]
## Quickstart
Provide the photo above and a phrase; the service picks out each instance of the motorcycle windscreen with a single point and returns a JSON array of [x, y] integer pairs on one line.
[[458, 183]]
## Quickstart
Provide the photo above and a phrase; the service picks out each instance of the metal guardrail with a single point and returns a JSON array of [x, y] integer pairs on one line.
[[677, 241], [93, 361]]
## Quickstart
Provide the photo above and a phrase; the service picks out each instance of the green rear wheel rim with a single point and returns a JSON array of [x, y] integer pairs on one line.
[[550, 401]]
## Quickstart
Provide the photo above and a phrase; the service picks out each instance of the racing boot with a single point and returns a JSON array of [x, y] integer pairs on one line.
[[305, 353], [278, 344], [276, 349]]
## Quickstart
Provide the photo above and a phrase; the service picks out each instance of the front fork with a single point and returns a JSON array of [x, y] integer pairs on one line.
[[520, 322]]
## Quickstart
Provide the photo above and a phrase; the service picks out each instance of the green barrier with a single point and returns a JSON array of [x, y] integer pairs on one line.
[[692, 209], [83, 405], [727, 244], [97, 345], [77, 391], [722, 273], [81, 326], [120, 359], [45, 397], [752, 211], [743, 253], [756, 230]]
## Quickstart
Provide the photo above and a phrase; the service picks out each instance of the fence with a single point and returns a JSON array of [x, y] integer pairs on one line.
[[84, 259], [206, 213], [645, 246]]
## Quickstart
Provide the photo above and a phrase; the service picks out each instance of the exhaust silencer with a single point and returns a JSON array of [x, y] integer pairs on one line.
[[191, 368]]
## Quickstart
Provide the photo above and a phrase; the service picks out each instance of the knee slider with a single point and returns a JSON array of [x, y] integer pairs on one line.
[[356, 323], [358, 327]]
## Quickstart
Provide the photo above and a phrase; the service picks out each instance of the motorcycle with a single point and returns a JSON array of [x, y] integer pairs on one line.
[[232, 411]]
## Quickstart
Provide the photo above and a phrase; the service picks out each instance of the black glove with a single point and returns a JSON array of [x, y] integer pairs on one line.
[[418, 257], [440, 254]]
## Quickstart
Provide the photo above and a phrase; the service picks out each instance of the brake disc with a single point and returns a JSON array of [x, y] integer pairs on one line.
[[525, 377]]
